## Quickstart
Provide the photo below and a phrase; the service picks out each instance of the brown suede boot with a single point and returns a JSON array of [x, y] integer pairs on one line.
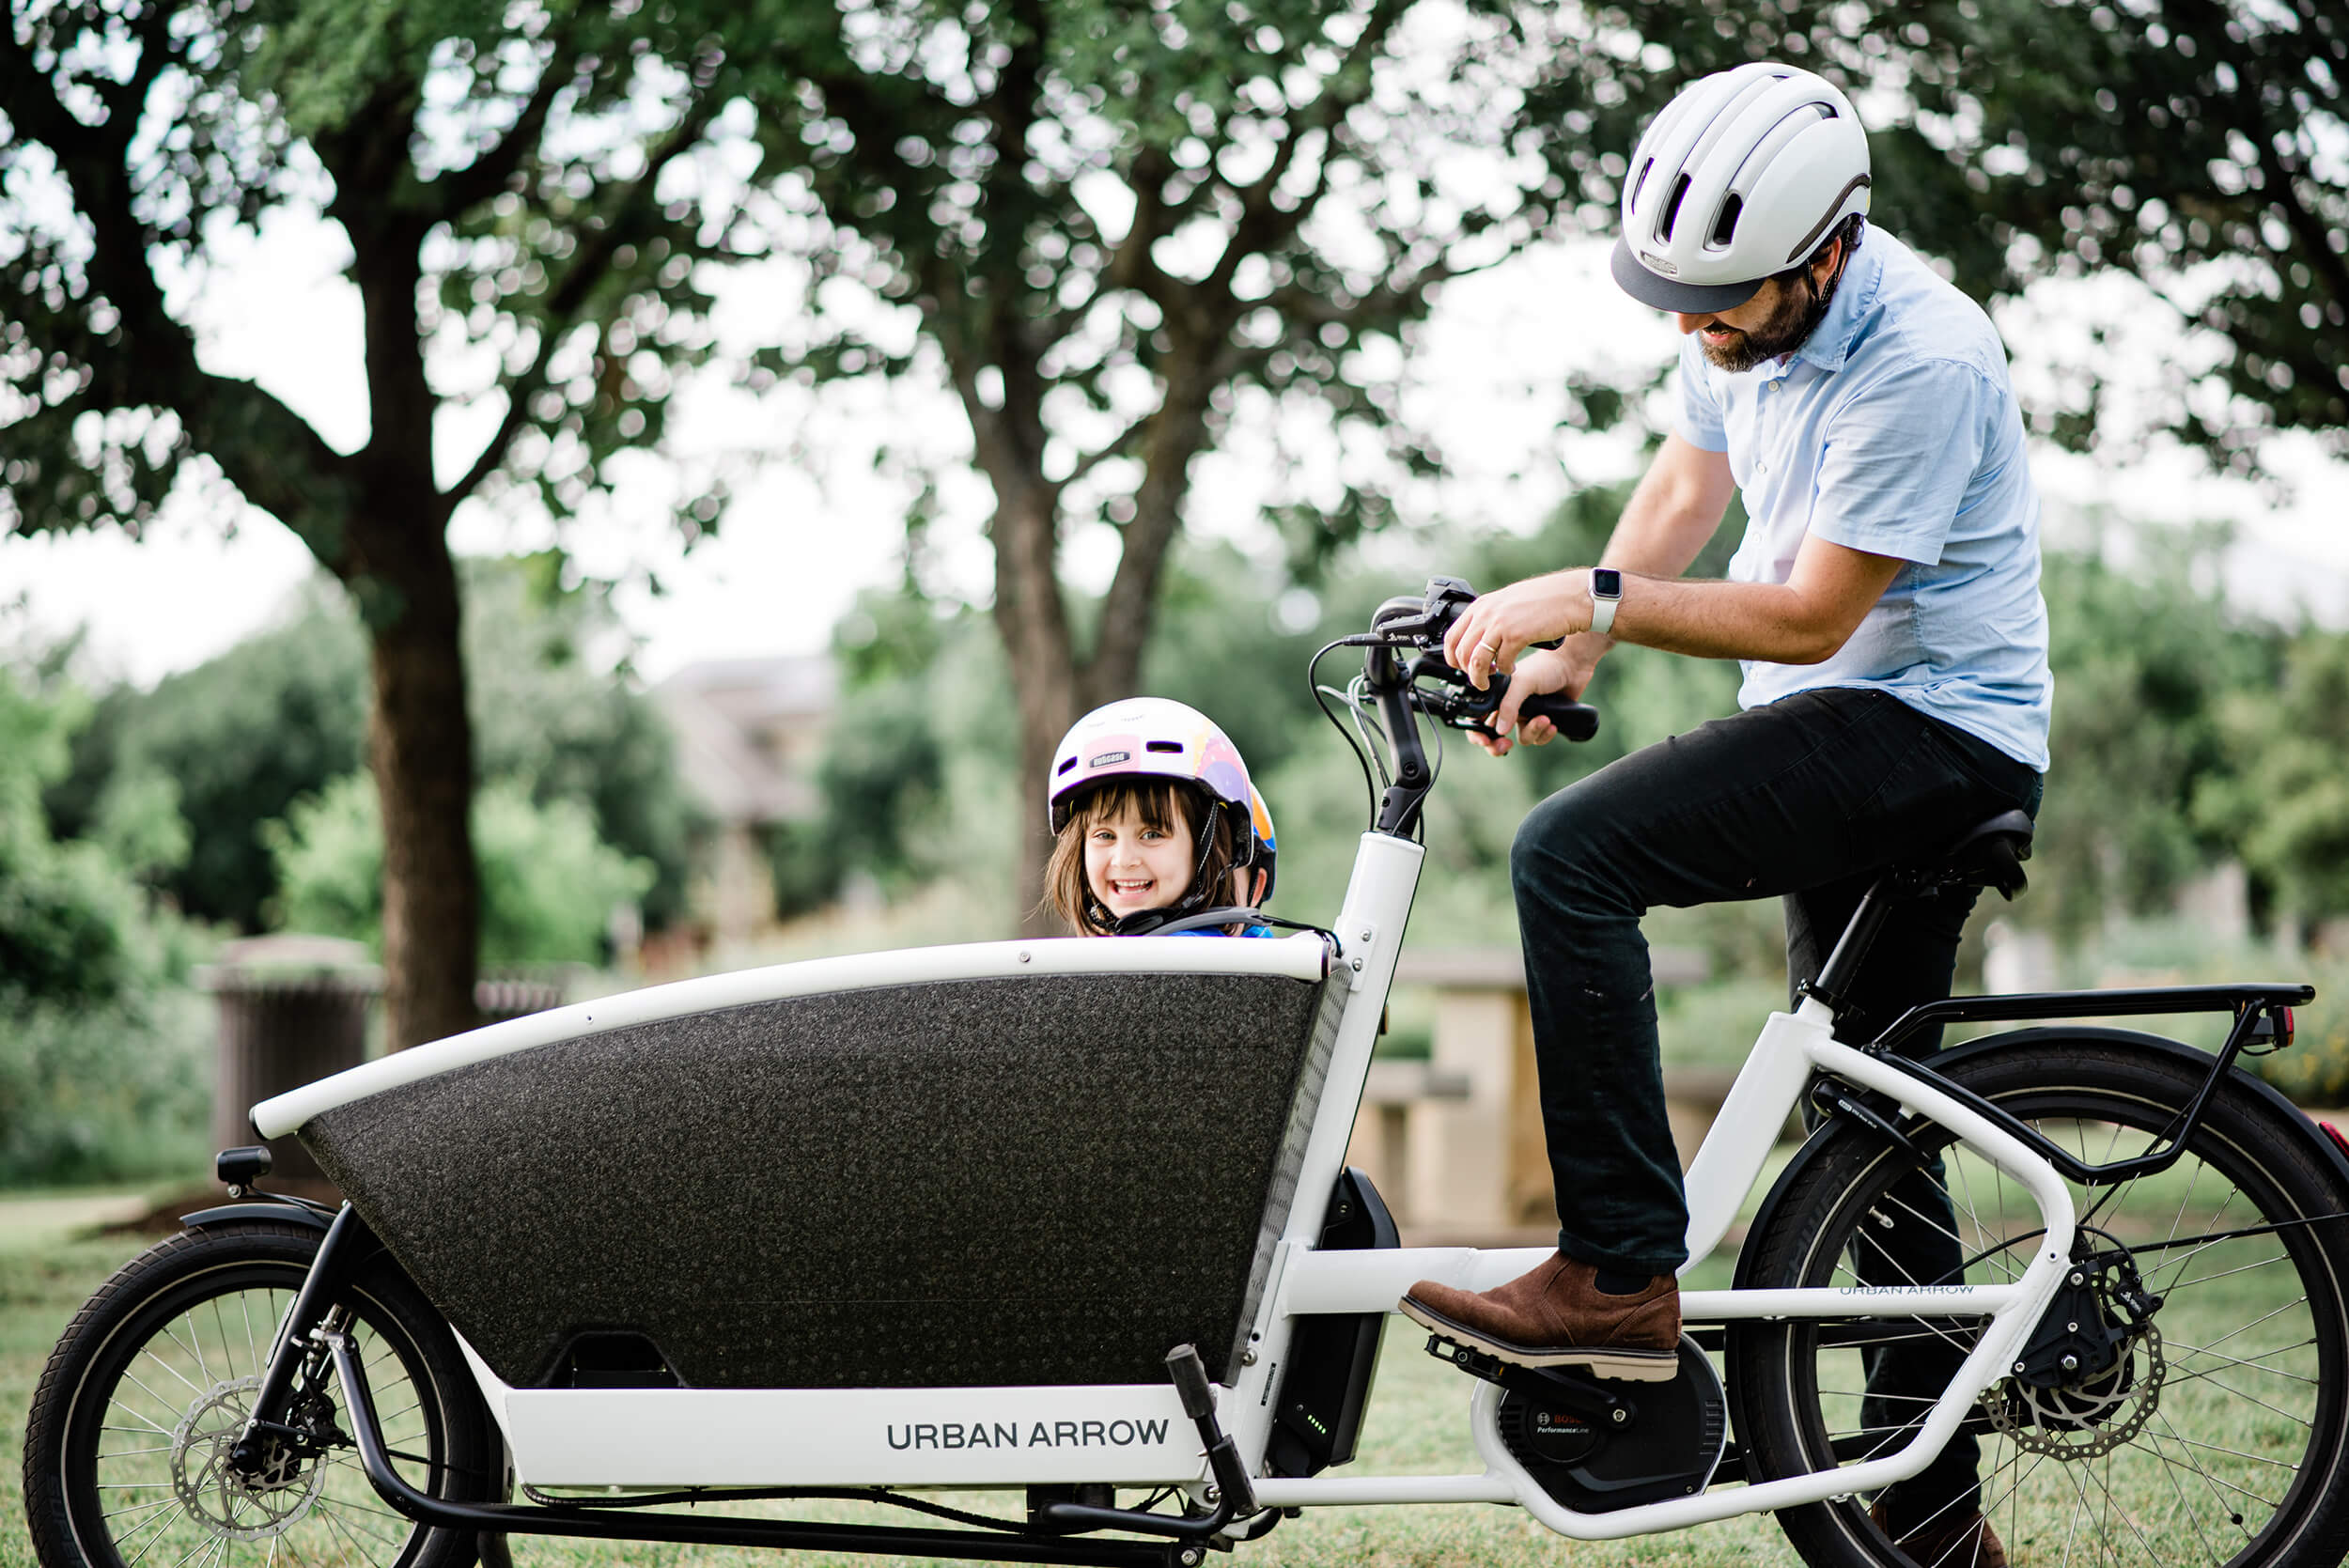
[[1952, 1540], [1557, 1316]]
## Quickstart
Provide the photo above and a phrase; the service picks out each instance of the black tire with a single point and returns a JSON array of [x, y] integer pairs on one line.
[[127, 1425], [2218, 1438]]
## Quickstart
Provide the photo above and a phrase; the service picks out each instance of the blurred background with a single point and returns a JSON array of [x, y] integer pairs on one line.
[[564, 501]]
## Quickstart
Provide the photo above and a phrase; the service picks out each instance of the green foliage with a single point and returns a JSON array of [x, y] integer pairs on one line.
[[2281, 795], [497, 167], [552, 717], [178, 781], [2145, 659], [103, 1071], [964, 162], [141, 826], [328, 850], [1224, 648], [1235, 643], [65, 909], [890, 635], [547, 883], [241, 738], [120, 1090], [1122, 234], [902, 730]]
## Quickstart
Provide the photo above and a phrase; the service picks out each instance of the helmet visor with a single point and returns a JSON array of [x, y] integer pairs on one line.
[[1687, 299]]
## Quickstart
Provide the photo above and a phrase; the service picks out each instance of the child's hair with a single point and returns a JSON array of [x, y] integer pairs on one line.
[[1162, 804]]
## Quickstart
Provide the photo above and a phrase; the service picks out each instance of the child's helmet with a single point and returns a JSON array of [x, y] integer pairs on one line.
[[1156, 738]]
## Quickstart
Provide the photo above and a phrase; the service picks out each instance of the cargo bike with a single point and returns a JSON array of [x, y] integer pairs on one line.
[[1067, 1224]]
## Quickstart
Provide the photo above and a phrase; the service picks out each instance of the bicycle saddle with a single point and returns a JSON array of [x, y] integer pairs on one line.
[[1989, 854]]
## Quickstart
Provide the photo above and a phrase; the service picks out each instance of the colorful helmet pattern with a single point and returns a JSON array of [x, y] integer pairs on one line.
[[1155, 738]]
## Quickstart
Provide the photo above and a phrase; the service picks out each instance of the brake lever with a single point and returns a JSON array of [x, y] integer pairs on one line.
[[1464, 708]]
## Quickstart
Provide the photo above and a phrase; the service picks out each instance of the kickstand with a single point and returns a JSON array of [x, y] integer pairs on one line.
[[1232, 1495]]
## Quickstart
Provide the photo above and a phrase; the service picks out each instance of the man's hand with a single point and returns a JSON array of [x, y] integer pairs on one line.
[[1563, 669], [1500, 624]]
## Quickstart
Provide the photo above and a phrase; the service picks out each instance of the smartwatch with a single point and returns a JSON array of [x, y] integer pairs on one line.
[[1606, 593]]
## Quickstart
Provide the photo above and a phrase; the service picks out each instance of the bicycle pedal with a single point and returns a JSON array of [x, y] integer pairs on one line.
[[1558, 1385], [1476, 1363]]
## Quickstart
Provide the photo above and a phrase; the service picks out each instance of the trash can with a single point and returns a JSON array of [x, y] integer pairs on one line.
[[292, 1009]]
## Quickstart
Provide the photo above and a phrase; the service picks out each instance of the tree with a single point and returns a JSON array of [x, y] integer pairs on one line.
[[526, 195], [549, 883], [2279, 794], [1116, 231], [67, 912], [2192, 143], [103, 1045], [241, 738], [2146, 657]]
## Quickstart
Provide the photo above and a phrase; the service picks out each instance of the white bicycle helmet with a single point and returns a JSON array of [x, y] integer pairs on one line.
[[1738, 177], [1156, 738]]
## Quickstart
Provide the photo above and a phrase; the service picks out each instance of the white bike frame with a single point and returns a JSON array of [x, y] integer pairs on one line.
[[1134, 1435], [1767, 1091]]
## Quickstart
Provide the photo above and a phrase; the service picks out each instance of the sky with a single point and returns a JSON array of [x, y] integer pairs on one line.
[[799, 544]]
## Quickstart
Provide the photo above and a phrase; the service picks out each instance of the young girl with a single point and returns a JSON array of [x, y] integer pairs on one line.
[[1153, 819]]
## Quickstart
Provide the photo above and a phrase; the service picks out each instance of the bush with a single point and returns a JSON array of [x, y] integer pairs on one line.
[[549, 884], [117, 1093], [279, 717], [103, 1068]]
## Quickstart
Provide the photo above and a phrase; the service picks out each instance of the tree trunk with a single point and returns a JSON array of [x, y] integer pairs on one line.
[[420, 744], [1054, 688], [1031, 619]]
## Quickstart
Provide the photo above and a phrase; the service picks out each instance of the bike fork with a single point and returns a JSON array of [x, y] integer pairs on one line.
[[349, 1242]]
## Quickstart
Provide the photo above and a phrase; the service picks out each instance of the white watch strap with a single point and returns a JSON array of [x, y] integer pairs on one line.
[[1603, 611]]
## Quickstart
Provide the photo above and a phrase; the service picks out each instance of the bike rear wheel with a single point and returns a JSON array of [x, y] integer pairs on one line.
[[126, 1440], [2217, 1435]]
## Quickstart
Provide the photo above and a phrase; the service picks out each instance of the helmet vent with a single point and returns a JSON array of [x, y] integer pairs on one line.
[[1725, 226], [1672, 207], [1065, 766], [1640, 184], [1173, 746]]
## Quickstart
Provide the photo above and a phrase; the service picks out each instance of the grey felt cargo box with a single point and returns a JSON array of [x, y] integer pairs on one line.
[[1027, 1180]]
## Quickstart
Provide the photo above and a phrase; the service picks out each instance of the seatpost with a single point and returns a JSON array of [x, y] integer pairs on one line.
[[1832, 984]]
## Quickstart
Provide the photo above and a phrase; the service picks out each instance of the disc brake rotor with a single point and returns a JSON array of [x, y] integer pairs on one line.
[[225, 1501], [2087, 1419]]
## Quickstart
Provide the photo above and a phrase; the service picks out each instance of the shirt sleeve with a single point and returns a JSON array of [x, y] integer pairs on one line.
[[1899, 456], [1698, 422]]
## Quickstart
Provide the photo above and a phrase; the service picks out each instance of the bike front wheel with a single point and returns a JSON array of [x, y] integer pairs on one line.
[[126, 1445], [2209, 1428]]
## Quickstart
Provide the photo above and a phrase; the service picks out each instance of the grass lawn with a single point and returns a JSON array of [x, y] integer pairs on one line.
[[1418, 1425]]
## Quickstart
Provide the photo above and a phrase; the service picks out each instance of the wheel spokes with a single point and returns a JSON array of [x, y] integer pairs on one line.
[[162, 1444], [2103, 1471]]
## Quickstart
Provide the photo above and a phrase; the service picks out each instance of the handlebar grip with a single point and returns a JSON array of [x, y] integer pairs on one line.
[[1575, 721]]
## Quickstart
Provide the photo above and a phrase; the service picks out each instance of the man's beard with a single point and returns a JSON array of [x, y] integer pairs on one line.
[[1797, 314]]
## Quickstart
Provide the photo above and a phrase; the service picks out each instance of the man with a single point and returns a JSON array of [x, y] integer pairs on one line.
[[1885, 604]]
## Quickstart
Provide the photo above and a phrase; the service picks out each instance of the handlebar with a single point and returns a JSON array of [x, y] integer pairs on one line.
[[1464, 707], [1428, 685]]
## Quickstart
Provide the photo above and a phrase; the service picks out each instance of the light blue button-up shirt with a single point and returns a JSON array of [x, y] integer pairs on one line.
[[1893, 429]]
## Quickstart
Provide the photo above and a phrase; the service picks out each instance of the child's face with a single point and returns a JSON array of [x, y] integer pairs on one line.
[[1131, 866]]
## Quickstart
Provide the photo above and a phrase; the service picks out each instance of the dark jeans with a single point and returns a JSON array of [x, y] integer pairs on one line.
[[1807, 799]]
